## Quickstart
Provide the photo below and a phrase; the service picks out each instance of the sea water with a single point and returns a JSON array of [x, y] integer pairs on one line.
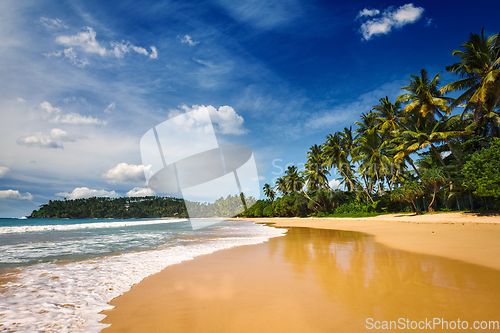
[[58, 275]]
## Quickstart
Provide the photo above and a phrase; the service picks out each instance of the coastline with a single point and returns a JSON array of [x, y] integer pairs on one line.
[[292, 284], [460, 236]]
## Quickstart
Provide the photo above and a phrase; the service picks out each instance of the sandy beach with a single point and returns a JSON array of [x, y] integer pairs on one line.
[[327, 275]]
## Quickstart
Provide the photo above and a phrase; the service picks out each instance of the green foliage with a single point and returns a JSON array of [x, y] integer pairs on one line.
[[482, 172], [140, 207]]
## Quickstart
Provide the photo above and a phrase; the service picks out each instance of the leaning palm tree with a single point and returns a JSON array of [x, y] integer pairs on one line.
[[424, 98], [479, 69], [268, 192]]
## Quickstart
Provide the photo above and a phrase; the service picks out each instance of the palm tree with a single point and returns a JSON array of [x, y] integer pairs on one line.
[[294, 182], [281, 185], [388, 115], [315, 172], [335, 156], [268, 192], [424, 97], [479, 69], [368, 123], [374, 157]]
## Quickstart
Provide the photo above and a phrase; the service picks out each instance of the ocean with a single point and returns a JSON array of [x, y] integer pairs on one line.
[[58, 275]]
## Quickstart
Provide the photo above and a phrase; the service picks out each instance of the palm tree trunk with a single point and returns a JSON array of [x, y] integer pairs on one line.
[[378, 183], [453, 152], [430, 208], [444, 165], [413, 166]]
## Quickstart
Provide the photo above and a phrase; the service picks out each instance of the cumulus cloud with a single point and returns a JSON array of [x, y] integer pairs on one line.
[[52, 23], [141, 192], [85, 192], [126, 173], [188, 40], [368, 12], [53, 114], [390, 18], [14, 194], [20, 100], [54, 140], [4, 171], [225, 119]]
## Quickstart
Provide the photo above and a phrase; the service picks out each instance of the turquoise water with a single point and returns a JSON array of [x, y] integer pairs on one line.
[[57, 275]]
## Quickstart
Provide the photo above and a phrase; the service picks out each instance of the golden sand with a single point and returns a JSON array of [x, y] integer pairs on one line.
[[325, 280]]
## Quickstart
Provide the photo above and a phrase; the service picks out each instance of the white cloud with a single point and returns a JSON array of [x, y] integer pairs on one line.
[[120, 49], [53, 54], [110, 107], [72, 55], [53, 114], [85, 39], [85, 192], [20, 100], [52, 23], [4, 171], [14, 194], [226, 120], [126, 173], [140, 192], [154, 53], [391, 18], [368, 12], [187, 39], [54, 140], [334, 184]]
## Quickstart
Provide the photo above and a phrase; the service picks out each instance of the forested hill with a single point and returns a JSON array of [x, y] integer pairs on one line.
[[99, 207], [138, 207]]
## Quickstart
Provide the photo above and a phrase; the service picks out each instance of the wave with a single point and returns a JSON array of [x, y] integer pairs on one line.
[[80, 226], [70, 298]]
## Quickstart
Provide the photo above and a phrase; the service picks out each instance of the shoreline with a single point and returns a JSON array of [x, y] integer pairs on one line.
[[466, 237], [317, 279]]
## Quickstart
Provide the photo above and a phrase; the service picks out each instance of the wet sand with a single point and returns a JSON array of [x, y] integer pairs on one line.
[[324, 280]]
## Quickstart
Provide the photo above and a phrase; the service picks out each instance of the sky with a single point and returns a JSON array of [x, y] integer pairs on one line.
[[82, 81]]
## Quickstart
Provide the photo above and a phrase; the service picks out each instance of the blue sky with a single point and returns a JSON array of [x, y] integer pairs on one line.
[[82, 81]]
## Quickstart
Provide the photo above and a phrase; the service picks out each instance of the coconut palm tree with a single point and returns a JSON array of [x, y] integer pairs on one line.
[[479, 69], [375, 159], [281, 185], [316, 172], [388, 115], [424, 98], [294, 182], [369, 122], [268, 192], [335, 156]]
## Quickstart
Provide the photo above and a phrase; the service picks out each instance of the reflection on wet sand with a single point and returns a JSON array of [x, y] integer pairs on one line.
[[386, 284], [311, 280]]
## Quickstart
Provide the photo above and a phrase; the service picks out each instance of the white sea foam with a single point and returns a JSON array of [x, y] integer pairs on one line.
[[96, 225], [68, 298]]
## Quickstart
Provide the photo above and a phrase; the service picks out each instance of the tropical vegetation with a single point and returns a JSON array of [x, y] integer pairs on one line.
[[423, 151]]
